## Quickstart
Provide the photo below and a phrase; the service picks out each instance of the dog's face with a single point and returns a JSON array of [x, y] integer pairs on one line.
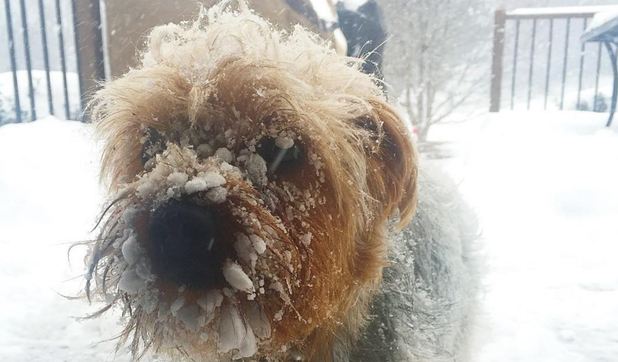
[[252, 177]]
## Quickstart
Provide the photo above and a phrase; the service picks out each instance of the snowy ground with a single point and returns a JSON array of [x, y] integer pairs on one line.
[[545, 186], [49, 197]]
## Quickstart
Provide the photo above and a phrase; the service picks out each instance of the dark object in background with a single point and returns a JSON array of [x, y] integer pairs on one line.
[[305, 9], [365, 33]]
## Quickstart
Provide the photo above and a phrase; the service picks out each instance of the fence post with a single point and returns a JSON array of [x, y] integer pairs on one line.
[[497, 60], [89, 46], [24, 31], [9, 25]]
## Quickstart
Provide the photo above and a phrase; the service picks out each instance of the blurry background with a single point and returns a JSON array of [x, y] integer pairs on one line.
[[540, 169]]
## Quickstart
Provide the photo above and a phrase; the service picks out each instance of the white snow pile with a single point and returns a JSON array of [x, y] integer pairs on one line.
[[546, 188], [49, 198], [561, 10], [603, 17]]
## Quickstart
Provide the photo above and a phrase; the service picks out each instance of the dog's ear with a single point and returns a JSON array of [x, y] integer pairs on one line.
[[392, 169]]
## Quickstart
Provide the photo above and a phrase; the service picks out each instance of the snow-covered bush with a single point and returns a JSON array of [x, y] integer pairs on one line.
[[597, 103], [4, 117]]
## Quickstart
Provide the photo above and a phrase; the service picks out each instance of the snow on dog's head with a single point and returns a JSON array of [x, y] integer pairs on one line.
[[251, 174]]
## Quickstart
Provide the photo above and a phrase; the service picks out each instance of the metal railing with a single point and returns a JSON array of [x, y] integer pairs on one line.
[[563, 57], [53, 26]]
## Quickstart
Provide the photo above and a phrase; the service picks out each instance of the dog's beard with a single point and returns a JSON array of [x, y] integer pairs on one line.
[[206, 248]]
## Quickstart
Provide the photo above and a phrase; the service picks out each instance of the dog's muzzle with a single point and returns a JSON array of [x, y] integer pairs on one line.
[[184, 247]]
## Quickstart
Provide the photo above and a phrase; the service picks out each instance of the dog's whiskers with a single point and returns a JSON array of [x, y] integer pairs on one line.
[[121, 197]]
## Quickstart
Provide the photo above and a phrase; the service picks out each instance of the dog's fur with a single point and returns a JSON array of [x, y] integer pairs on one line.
[[310, 236]]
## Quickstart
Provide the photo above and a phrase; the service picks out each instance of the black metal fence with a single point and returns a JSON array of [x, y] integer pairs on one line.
[[548, 67], [42, 63]]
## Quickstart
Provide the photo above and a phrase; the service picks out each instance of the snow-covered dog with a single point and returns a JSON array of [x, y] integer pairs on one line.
[[255, 177]]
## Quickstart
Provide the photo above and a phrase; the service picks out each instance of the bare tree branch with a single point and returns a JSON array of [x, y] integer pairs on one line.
[[437, 55]]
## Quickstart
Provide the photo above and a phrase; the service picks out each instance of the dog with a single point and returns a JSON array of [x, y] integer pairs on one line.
[[258, 185]]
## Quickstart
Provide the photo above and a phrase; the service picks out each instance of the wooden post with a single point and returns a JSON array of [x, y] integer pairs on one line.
[[497, 60], [89, 46]]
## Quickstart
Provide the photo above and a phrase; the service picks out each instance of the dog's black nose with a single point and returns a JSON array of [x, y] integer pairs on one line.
[[183, 245]]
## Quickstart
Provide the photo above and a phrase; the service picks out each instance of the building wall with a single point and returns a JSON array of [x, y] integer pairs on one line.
[[127, 23]]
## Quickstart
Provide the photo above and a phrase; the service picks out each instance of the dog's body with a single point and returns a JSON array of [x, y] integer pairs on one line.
[[256, 177], [425, 308]]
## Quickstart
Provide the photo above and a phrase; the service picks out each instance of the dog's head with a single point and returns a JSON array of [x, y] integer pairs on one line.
[[252, 174]]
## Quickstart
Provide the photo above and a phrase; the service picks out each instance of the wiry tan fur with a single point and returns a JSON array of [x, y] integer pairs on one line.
[[231, 79]]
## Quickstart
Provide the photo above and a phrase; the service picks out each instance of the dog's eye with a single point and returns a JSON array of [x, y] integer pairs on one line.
[[153, 144], [279, 158]]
